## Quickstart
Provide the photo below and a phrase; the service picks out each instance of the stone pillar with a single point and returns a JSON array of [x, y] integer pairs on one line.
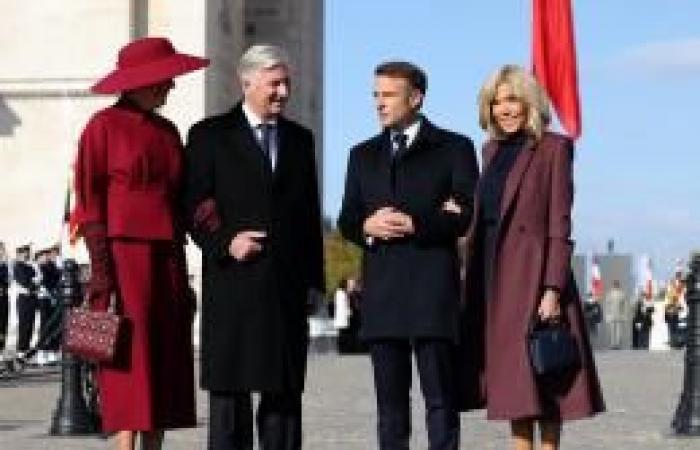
[[224, 46]]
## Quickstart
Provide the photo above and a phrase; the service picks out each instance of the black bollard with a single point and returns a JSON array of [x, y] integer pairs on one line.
[[72, 416], [686, 420]]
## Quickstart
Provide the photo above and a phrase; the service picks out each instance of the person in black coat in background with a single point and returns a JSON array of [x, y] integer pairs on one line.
[[641, 322], [4, 297], [253, 204], [26, 276], [50, 276], [408, 196]]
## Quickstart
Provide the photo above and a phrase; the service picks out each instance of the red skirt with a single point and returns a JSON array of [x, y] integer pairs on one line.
[[150, 384]]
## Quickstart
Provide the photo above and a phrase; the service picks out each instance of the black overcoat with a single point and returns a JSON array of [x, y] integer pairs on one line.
[[411, 285], [254, 332]]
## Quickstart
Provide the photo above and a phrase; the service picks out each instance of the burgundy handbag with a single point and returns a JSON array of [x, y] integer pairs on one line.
[[92, 335]]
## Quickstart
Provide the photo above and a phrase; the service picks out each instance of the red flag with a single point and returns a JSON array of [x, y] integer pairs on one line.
[[554, 59], [597, 288]]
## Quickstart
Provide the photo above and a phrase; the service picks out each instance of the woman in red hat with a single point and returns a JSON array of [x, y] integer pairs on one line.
[[127, 183]]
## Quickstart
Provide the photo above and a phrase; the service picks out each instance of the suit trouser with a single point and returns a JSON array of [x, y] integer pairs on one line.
[[26, 312], [391, 360], [46, 314], [4, 318], [616, 329], [231, 421]]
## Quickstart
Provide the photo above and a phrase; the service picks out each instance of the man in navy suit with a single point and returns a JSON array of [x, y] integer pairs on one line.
[[408, 196]]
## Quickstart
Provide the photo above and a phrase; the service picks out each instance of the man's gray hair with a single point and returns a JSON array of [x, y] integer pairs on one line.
[[261, 56]]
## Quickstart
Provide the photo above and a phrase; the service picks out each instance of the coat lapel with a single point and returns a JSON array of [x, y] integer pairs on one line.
[[244, 137], [383, 146], [383, 150], [516, 175], [380, 160], [284, 150]]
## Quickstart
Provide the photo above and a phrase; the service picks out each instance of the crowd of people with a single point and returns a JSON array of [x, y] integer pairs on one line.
[[244, 186], [32, 277], [652, 320]]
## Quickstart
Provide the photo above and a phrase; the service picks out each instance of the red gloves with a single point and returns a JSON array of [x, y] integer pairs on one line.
[[102, 278]]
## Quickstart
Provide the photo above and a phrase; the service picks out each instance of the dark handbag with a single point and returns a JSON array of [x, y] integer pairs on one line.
[[553, 349], [92, 335]]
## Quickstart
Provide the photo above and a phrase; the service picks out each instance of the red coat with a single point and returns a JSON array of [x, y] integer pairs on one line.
[[127, 174], [127, 177], [533, 251]]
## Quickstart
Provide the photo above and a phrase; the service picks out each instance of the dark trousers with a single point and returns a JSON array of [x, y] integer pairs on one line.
[[26, 312], [4, 317], [231, 421], [391, 360], [49, 325]]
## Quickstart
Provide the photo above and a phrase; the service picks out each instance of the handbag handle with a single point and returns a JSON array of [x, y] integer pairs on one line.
[[560, 321], [111, 307]]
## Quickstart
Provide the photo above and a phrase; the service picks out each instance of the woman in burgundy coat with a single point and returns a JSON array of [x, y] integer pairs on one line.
[[518, 266], [127, 183]]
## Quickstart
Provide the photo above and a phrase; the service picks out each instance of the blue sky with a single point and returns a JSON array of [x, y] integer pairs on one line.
[[639, 80]]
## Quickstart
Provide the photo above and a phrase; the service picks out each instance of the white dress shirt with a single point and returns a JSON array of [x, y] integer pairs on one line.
[[410, 131], [255, 123]]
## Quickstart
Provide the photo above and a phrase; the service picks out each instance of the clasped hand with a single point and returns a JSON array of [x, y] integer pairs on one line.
[[388, 223], [549, 308], [246, 244]]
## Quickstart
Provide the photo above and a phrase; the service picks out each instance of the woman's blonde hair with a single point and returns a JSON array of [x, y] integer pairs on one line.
[[526, 89]]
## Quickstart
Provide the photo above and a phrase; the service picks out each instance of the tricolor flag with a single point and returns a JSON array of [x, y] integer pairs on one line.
[[554, 59]]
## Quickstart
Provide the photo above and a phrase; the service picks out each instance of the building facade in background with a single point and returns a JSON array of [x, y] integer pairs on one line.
[[45, 77]]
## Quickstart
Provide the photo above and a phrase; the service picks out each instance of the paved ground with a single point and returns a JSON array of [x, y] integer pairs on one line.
[[641, 390]]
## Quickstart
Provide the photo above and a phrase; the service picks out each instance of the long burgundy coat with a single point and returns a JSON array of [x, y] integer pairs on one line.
[[127, 178], [533, 251]]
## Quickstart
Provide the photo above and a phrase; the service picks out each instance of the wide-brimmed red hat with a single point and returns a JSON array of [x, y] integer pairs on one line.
[[147, 61]]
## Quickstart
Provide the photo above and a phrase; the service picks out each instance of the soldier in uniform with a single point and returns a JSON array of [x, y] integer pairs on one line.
[[50, 275], [4, 297], [25, 275]]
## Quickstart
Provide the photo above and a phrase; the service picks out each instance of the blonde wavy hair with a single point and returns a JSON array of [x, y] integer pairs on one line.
[[526, 89]]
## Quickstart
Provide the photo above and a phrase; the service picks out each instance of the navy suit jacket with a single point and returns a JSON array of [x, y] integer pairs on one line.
[[411, 285]]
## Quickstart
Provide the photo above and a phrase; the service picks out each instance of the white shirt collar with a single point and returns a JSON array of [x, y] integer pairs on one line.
[[410, 131], [253, 119], [255, 123]]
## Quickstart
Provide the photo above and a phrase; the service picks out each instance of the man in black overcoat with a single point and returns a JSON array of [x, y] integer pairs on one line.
[[408, 196], [252, 201]]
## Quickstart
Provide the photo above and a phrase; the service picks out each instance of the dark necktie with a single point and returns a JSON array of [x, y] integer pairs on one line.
[[267, 132], [399, 140]]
